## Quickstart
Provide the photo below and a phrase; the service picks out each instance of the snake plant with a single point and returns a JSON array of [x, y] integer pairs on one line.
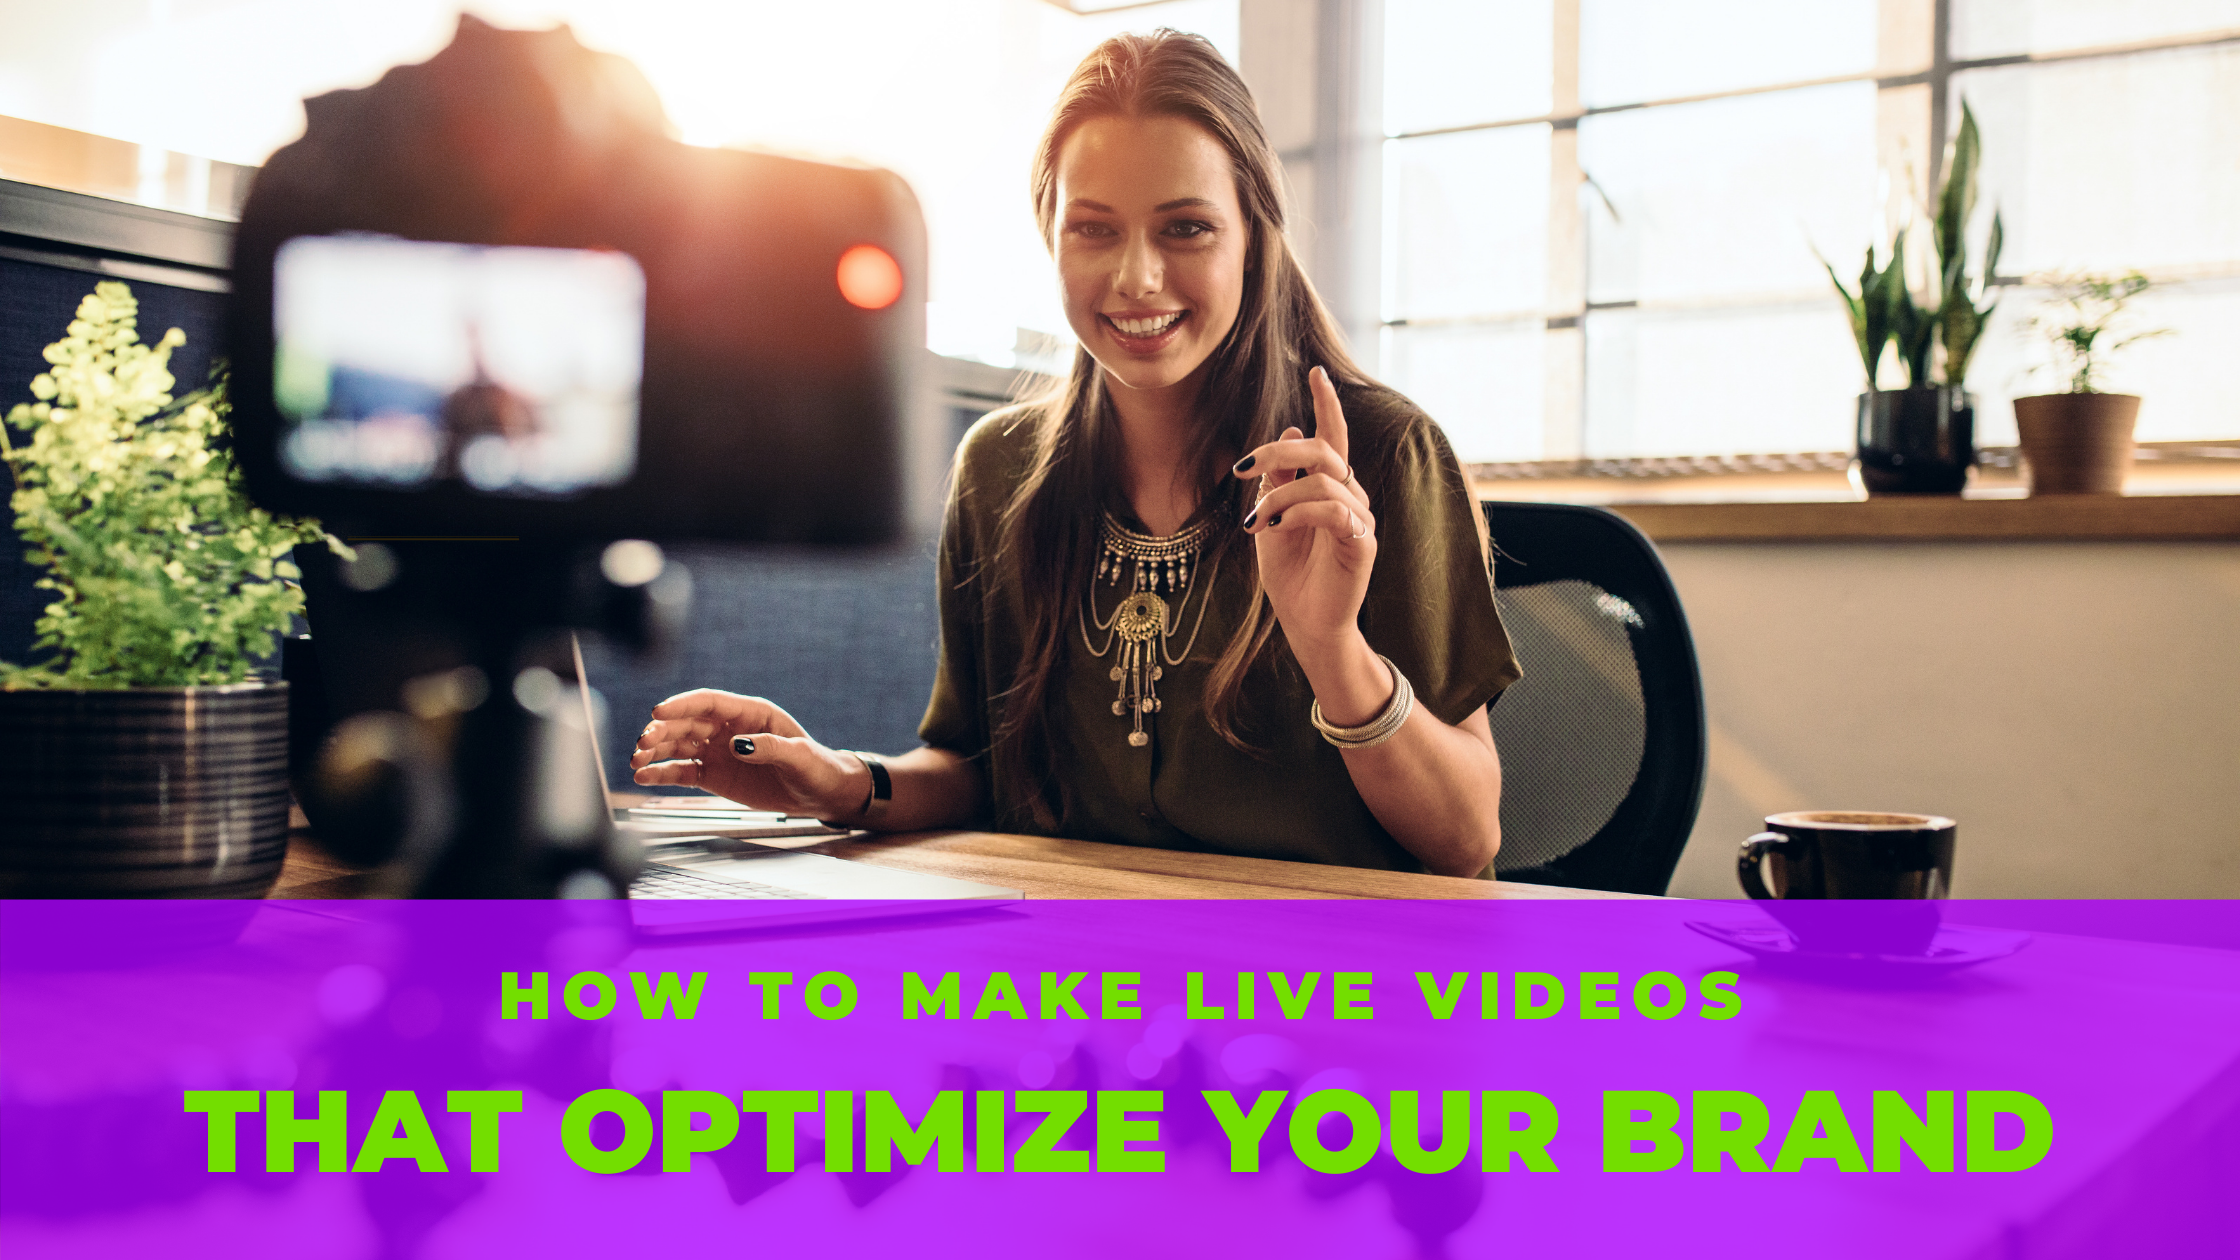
[[1960, 320], [1885, 311]]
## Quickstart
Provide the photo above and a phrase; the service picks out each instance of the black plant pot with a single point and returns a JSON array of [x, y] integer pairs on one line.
[[149, 792], [1916, 441]]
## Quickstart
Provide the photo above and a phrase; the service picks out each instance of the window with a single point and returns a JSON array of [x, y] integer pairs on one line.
[[1602, 215], [950, 95]]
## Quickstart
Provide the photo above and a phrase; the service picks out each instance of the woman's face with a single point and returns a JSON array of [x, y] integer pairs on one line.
[[1151, 246]]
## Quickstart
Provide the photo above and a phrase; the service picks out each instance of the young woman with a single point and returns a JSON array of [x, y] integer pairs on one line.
[[1169, 617]]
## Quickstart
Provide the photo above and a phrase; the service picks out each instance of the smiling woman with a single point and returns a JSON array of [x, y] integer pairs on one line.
[[1151, 286], [1171, 616]]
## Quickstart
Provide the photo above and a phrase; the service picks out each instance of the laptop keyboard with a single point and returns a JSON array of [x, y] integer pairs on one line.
[[663, 882]]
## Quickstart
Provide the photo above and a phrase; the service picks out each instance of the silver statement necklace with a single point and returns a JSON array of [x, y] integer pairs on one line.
[[1142, 621]]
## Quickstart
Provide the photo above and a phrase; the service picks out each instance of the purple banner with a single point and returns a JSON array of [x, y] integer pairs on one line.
[[1310, 1079]]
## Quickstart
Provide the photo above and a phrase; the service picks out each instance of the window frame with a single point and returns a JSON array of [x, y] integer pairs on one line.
[[1913, 78]]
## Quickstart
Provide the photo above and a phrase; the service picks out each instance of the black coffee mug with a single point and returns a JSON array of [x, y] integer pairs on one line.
[[1817, 854], [1826, 855]]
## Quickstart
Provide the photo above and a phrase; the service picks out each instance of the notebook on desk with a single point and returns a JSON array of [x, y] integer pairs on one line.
[[703, 852]]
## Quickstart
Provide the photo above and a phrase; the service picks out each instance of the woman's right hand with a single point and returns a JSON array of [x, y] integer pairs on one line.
[[749, 750]]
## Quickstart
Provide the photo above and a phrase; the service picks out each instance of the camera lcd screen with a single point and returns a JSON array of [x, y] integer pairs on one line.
[[508, 369]]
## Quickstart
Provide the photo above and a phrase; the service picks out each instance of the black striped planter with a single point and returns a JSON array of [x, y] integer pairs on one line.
[[151, 792]]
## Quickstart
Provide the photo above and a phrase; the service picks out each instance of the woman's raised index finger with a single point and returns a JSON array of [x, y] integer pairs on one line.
[[1329, 417]]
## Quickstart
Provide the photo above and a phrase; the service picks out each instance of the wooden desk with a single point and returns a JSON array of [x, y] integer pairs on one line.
[[1043, 867]]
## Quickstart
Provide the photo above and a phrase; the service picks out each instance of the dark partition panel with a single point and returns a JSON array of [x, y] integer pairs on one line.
[[843, 640]]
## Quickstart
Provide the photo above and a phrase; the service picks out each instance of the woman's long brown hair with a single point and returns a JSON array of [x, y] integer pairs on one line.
[[1256, 384]]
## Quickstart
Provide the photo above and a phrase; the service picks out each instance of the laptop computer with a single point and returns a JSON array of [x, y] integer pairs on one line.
[[704, 851]]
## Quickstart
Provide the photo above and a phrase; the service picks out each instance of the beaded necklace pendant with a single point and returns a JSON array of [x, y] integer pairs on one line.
[[1155, 568]]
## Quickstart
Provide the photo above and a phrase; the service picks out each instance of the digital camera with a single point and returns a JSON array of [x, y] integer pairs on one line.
[[489, 296]]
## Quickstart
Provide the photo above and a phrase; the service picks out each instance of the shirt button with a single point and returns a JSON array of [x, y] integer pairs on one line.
[[1147, 815]]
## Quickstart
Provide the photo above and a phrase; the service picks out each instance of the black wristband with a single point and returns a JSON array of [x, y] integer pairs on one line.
[[882, 785]]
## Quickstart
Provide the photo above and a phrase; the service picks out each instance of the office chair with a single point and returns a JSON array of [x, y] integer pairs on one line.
[[1602, 740]]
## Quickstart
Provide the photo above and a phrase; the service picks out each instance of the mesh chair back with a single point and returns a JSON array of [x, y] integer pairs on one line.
[[1602, 740]]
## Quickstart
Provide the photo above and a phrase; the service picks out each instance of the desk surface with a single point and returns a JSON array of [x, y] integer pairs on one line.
[[1043, 867]]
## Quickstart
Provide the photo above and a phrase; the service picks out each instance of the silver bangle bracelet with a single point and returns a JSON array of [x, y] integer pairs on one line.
[[1377, 729]]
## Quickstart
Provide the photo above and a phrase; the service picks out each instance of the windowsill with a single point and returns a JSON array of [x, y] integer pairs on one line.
[[2162, 499]]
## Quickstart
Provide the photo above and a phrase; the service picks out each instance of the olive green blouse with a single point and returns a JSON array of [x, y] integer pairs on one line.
[[1429, 608]]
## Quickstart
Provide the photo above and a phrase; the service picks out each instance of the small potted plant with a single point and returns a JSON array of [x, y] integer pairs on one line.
[[1921, 439], [2079, 442], [141, 757]]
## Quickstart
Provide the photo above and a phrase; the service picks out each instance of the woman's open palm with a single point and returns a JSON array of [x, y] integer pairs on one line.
[[692, 741]]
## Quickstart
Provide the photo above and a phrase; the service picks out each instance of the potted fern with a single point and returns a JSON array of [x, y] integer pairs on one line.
[[1921, 439], [141, 757], [2079, 442]]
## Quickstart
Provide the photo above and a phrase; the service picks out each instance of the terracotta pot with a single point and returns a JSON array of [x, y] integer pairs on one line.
[[2077, 443], [145, 792]]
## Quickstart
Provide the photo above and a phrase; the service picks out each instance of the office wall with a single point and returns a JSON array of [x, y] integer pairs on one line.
[[2076, 706]]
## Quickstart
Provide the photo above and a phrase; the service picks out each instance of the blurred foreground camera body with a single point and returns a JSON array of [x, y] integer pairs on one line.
[[772, 406], [488, 317], [442, 735]]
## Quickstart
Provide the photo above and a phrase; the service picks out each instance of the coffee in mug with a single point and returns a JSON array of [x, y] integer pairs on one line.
[[1856, 854], [1851, 855]]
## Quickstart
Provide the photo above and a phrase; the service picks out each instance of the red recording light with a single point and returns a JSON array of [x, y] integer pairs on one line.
[[870, 277]]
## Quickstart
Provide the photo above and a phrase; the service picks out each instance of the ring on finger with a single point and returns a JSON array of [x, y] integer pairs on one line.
[[1349, 475]]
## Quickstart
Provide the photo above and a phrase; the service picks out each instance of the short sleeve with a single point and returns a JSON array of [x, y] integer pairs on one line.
[[1430, 606]]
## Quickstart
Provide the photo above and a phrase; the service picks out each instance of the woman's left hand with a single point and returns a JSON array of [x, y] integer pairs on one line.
[[1316, 537]]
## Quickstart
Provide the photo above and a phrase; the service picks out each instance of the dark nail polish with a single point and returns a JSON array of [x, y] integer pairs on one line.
[[1275, 520], [1250, 517], [1245, 464], [743, 746]]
